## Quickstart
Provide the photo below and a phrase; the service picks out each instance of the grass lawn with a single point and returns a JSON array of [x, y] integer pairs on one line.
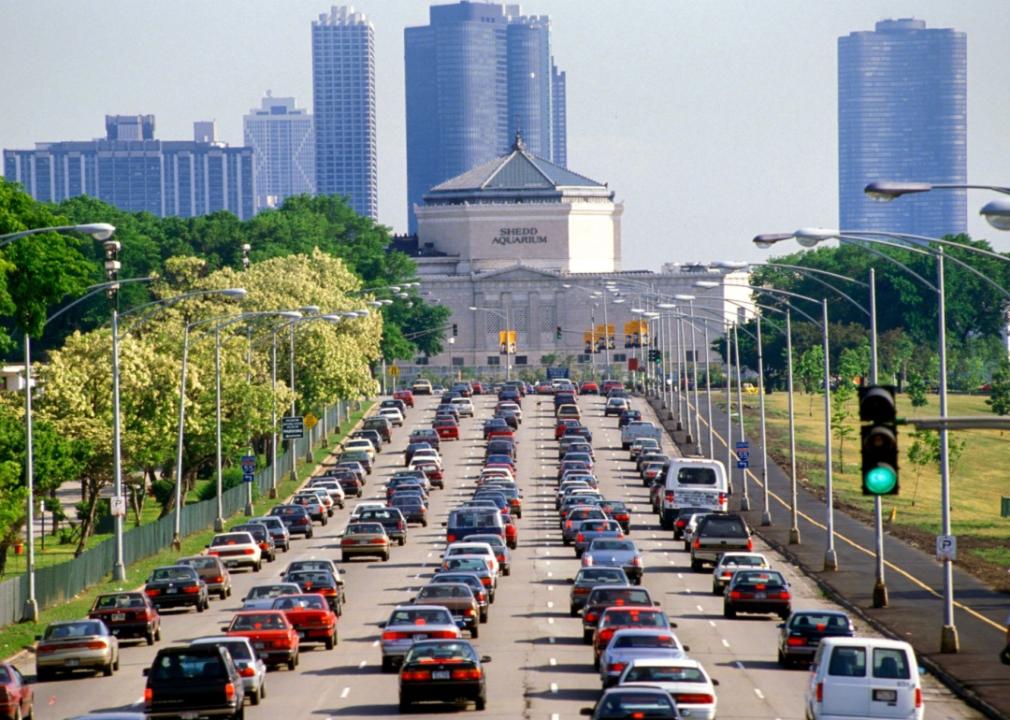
[[15, 638], [978, 478]]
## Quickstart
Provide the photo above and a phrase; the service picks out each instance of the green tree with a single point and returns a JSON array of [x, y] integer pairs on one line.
[[809, 370], [916, 389], [999, 395]]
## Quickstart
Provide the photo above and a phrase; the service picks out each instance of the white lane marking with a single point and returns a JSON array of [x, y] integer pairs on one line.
[[138, 701], [550, 604], [555, 716], [553, 662], [550, 574], [362, 664], [725, 642], [550, 588], [345, 692], [761, 695], [679, 576], [687, 590], [712, 623], [375, 644], [700, 608], [550, 621], [554, 688]]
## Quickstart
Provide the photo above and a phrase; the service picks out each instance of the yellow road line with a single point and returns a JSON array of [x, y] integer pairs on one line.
[[872, 553]]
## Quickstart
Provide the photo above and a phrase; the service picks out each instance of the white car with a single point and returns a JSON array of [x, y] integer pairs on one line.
[[857, 677], [332, 487], [731, 562], [464, 405], [686, 681], [513, 408], [393, 415], [475, 548], [366, 505], [427, 454], [237, 549], [362, 445], [250, 666], [261, 597]]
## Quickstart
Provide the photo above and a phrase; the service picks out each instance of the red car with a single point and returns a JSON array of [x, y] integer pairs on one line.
[[625, 616], [16, 697], [545, 388], [128, 615], [609, 385], [311, 617], [511, 531], [563, 425], [478, 388], [271, 634], [447, 429], [406, 396], [589, 388]]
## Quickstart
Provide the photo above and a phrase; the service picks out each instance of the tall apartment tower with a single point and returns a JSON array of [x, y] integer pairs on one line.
[[902, 115], [559, 116], [476, 74], [343, 96], [284, 144]]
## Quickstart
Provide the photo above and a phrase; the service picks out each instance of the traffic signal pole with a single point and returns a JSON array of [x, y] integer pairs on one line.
[[880, 584]]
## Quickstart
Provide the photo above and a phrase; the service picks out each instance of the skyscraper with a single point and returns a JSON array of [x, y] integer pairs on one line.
[[132, 170], [284, 144], [476, 74], [559, 116], [343, 95], [902, 115]]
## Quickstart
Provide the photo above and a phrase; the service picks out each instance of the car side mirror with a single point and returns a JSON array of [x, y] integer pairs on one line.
[[224, 628], [687, 648], [381, 623], [673, 625], [445, 524], [586, 711], [485, 659], [656, 603], [715, 682], [145, 672]]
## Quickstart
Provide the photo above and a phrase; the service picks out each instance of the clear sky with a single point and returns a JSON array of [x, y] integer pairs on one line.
[[712, 121]]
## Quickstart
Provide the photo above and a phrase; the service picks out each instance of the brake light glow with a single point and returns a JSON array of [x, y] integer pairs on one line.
[[152, 592], [471, 674], [148, 696], [796, 641], [750, 544], [247, 671], [918, 697], [415, 675], [392, 635], [735, 594], [636, 561], [617, 667], [229, 691], [580, 538], [190, 589], [697, 544], [693, 698]]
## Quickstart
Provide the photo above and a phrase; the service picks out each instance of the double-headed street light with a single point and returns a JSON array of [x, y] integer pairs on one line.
[[506, 318]]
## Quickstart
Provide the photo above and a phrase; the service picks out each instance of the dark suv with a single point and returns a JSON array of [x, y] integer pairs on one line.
[[380, 424], [197, 680], [716, 534]]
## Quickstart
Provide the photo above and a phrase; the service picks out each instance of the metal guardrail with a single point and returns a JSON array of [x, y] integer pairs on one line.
[[58, 583]]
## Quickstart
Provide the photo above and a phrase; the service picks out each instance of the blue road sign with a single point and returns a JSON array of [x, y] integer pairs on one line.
[[742, 454], [248, 477], [248, 464]]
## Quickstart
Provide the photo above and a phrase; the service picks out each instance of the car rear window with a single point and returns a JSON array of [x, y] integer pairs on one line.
[[818, 621], [890, 664], [473, 518], [431, 652], [715, 526], [173, 573], [645, 641], [631, 596], [666, 674], [106, 602], [269, 591], [420, 617], [72, 630], [847, 661], [696, 476], [188, 666]]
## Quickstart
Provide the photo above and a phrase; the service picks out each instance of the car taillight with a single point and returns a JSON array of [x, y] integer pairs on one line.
[[605, 635], [148, 696], [218, 578], [446, 634], [152, 592], [636, 561], [735, 594], [577, 590], [348, 541], [468, 612], [471, 674], [97, 645], [697, 544], [693, 698], [580, 538], [415, 675], [796, 641], [622, 516], [820, 692], [591, 617], [784, 595], [282, 643], [616, 667], [392, 635], [481, 596], [247, 671], [587, 560], [750, 544], [450, 538], [303, 520], [722, 498], [918, 698], [190, 589], [568, 524], [485, 581], [229, 692], [377, 541]]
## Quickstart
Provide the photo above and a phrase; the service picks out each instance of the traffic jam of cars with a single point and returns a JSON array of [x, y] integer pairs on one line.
[[428, 645]]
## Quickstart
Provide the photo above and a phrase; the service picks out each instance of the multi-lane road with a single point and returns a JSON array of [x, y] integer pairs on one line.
[[540, 668]]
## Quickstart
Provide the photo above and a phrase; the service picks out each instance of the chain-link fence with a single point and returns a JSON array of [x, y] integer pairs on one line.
[[58, 583]]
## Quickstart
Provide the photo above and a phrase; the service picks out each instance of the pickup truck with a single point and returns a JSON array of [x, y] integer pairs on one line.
[[636, 429], [717, 534]]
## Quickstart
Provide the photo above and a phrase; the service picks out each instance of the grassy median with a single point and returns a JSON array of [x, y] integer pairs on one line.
[[15, 638]]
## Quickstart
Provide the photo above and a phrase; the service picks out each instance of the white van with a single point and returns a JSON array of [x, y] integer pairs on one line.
[[694, 482], [864, 678]]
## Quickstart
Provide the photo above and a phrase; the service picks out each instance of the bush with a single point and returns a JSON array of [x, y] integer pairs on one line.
[[231, 477]]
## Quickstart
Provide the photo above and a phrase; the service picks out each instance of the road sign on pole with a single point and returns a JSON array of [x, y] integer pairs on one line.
[[310, 420], [946, 548], [394, 370], [248, 464], [248, 477], [292, 427], [117, 506], [742, 454]]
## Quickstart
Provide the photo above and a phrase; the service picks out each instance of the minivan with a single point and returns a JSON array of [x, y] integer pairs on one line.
[[693, 482], [864, 678]]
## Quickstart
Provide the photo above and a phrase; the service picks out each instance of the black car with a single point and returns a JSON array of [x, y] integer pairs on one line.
[[757, 591], [177, 586], [442, 670], [411, 506], [801, 633], [579, 431], [295, 518], [629, 416], [196, 680], [622, 703], [495, 424], [349, 482], [392, 521], [381, 425], [590, 577]]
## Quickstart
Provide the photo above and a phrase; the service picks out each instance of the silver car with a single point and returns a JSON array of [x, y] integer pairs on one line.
[[610, 552], [249, 665], [634, 643], [591, 530], [410, 623], [261, 597], [76, 645]]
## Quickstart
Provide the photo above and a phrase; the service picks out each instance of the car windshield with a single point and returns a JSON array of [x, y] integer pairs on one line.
[[173, 573], [429, 616], [820, 622], [613, 545], [271, 591], [188, 666], [258, 621], [645, 618], [682, 673], [637, 705], [241, 538], [758, 577], [106, 602], [440, 652], [645, 641], [200, 563], [601, 576], [617, 596], [73, 630], [300, 602]]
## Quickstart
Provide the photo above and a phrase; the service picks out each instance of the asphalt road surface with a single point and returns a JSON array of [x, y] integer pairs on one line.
[[540, 668]]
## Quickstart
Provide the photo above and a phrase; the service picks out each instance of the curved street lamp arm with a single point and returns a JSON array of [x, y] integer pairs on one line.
[[927, 239], [803, 270], [91, 292]]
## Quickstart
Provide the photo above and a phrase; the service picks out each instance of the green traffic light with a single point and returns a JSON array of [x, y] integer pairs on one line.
[[881, 480]]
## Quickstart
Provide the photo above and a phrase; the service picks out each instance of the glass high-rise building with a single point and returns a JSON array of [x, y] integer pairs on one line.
[[132, 170], [475, 75], [902, 115], [343, 96], [284, 144]]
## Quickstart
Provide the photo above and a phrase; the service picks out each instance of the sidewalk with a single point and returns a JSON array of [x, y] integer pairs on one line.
[[914, 581]]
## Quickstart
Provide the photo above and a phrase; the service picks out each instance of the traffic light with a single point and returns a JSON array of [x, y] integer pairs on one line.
[[655, 355], [455, 329], [557, 333], [879, 435]]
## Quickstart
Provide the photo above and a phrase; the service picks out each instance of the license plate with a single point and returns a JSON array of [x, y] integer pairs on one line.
[[188, 716], [72, 662], [420, 636], [760, 596], [888, 696], [259, 646], [440, 675], [171, 589], [118, 617], [301, 634]]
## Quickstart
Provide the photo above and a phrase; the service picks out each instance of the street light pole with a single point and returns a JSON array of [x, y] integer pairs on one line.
[[794, 528], [30, 612], [112, 266], [830, 556], [766, 513], [745, 500], [219, 520], [948, 635], [880, 584]]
